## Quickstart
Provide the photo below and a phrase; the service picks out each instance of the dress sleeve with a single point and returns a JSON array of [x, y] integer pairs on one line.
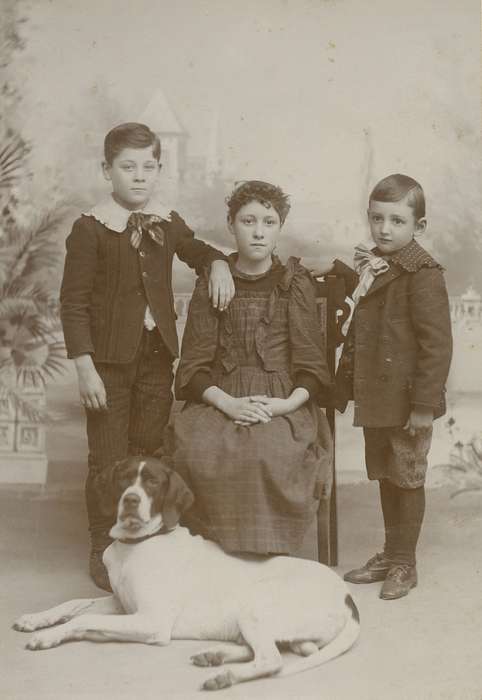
[[430, 313], [199, 345], [194, 253], [306, 342], [307, 381], [76, 290]]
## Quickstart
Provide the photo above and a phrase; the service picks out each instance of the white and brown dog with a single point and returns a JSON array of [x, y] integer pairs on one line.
[[169, 584]]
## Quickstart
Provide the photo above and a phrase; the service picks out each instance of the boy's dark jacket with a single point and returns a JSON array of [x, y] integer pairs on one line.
[[399, 346], [107, 284]]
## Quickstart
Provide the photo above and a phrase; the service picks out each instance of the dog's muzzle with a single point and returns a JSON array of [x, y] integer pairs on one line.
[[129, 511]]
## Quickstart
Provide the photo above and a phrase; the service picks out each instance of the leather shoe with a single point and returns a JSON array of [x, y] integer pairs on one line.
[[98, 572], [376, 569], [399, 581]]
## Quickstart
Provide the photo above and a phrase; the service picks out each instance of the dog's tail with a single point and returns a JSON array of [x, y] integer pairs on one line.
[[342, 643]]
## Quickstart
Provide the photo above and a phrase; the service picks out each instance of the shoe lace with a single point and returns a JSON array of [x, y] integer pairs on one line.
[[399, 572], [375, 559]]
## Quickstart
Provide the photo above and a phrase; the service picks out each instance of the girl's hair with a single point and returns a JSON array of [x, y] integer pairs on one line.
[[259, 191], [130, 135], [394, 188]]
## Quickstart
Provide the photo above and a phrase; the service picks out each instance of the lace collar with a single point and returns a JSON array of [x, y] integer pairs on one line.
[[411, 258], [115, 217]]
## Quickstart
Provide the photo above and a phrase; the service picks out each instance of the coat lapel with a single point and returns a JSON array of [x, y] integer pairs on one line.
[[408, 259], [392, 273]]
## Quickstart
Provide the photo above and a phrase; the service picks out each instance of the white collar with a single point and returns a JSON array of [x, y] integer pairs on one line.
[[115, 217]]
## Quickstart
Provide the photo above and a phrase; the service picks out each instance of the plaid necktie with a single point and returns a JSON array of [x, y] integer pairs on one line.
[[150, 223], [368, 266]]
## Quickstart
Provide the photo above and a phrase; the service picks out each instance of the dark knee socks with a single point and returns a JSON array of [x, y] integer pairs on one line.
[[412, 510], [390, 509], [403, 512]]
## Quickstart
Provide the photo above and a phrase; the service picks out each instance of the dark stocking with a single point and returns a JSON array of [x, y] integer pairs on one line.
[[389, 495], [411, 512]]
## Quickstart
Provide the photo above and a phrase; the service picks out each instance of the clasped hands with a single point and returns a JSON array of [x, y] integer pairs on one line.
[[248, 410]]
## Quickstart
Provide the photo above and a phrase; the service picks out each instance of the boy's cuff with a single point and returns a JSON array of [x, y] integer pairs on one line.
[[217, 255], [87, 350], [414, 405]]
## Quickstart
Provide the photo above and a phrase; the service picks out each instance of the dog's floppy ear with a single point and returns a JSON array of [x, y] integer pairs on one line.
[[178, 498]]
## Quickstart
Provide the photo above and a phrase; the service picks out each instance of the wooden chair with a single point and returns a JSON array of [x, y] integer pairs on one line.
[[333, 312]]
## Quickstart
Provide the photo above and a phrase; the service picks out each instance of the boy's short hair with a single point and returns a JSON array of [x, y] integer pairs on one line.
[[130, 135], [395, 188], [259, 191]]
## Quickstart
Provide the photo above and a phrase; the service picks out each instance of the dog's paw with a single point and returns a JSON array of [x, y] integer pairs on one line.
[[28, 623], [43, 640], [223, 680], [208, 658]]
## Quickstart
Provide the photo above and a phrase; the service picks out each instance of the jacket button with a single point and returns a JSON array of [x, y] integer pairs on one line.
[[142, 254], [144, 274]]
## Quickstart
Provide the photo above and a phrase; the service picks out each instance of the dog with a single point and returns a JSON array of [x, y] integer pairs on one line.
[[168, 584]]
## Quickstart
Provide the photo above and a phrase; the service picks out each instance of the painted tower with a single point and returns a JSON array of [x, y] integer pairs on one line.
[[160, 117]]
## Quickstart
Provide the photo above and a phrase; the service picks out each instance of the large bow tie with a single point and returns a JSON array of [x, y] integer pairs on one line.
[[368, 266], [150, 223]]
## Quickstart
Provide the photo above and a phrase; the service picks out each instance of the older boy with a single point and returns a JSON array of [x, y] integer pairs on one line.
[[118, 313]]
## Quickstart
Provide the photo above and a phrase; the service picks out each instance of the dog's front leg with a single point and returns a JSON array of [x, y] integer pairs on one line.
[[108, 605], [103, 628]]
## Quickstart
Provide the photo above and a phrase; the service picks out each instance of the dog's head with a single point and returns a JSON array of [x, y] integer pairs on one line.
[[148, 496]]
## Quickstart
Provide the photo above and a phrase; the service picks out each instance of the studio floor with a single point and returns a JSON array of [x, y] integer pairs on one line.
[[423, 647]]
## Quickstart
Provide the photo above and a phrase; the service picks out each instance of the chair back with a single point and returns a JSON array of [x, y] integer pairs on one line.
[[333, 311]]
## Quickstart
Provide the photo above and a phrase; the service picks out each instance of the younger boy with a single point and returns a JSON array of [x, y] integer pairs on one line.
[[394, 366], [118, 317]]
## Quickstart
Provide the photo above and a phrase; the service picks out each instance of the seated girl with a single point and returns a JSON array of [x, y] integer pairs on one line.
[[251, 442]]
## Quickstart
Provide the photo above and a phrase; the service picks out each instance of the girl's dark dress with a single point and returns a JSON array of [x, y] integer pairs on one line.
[[256, 488]]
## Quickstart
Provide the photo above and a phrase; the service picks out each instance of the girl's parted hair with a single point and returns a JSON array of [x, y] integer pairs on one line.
[[259, 191], [130, 135], [396, 187]]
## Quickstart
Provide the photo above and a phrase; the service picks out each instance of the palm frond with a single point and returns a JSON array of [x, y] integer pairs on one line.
[[38, 328], [12, 155], [468, 489], [25, 300], [13, 307], [36, 289], [35, 249], [6, 255], [44, 251], [34, 370]]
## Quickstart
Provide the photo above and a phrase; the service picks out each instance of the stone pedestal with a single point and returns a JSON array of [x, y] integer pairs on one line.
[[22, 442], [19, 469]]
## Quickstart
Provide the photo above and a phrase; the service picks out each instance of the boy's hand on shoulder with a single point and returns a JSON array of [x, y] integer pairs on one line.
[[221, 285], [91, 387], [419, 421], [318, 267]]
